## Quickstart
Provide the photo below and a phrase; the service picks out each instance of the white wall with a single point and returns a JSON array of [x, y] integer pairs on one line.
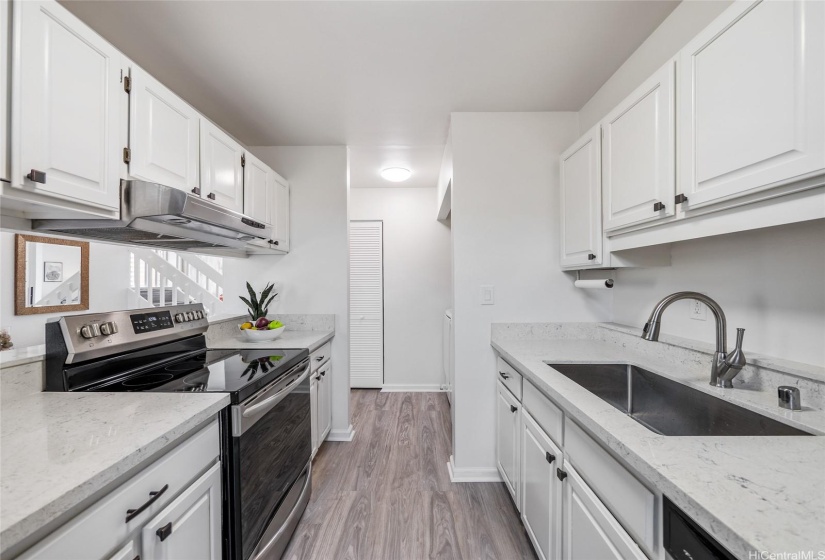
[[108, 289], [315, 274], [505, 228], [673, 33], [767, 281], [416, 281]]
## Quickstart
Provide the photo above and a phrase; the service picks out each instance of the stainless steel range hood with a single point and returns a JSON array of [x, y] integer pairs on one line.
[[157, 216]]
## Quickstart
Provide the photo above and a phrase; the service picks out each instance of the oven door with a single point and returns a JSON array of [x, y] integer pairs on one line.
[[273, 438]]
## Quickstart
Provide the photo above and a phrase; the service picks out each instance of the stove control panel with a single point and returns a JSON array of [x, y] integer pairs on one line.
[[101, 334]]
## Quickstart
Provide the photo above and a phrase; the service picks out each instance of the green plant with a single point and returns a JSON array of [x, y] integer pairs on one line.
[[258, 307]]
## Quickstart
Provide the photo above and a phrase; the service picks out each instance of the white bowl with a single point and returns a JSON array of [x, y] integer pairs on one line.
[[253, 335]]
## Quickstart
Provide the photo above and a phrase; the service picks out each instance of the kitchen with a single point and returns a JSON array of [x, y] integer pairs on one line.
[[655, 181]]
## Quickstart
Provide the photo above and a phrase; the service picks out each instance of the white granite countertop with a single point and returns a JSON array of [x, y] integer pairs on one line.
[[311, 340], [750, 493], [57, 450]]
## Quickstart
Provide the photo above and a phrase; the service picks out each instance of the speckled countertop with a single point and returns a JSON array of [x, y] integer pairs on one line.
[[750, 493], [57, 450], [311, 340]]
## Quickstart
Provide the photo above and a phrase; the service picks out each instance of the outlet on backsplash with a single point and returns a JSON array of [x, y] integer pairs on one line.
[[698, 310]]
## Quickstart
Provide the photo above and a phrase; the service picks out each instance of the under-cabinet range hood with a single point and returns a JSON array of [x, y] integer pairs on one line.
[[157, 216]]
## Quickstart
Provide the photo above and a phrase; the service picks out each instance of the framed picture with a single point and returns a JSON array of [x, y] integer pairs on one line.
[[52, 271]]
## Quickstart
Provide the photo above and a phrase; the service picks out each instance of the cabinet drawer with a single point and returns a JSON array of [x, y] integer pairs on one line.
[[508, 375], [320, 356], [544, 412], [100, 529], [627, 499]]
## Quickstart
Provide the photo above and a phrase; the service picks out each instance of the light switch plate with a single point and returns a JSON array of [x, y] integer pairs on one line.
[[488, 294], [698, 310]]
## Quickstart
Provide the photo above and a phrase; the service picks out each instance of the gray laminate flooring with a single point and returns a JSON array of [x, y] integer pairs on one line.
[[387, 495]]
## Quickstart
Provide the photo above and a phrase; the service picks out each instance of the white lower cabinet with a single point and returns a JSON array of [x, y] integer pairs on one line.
[[508, 422], [320, 395], [124, 523], [590, 531], [324, 401], [190, 527], [611, 516], [541, 489]]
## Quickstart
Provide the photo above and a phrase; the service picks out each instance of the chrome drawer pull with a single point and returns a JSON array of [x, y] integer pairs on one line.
[[132, 513]]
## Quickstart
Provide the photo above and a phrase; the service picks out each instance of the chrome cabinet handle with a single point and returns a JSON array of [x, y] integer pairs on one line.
[[319, 358], [561, 474], [549, 456], [591, 257], [132, 513], [211, 196], [658, 206], [503, 375], [513, 408], [196, 191]]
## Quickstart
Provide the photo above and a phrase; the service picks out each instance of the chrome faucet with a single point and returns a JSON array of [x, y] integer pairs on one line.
[[725, 366]]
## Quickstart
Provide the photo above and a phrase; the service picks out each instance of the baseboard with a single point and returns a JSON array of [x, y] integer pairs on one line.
[[472, 474], [341, 435], [412, 388]]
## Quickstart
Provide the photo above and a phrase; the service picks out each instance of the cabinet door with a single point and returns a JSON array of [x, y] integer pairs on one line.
[[65, 107], [751, 95], [581, 202], [324, 402], [5, 46], [590, 531], [541, 490], [507, 440], [163, 134], [221, 169], [280, 213], [639, 154], [313, 407], [257, 189], [190, 527]]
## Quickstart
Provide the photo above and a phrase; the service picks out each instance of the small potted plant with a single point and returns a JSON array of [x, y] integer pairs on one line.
[[260, 328]]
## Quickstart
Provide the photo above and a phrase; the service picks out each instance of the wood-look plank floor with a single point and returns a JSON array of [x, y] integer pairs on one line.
[[387, 495]]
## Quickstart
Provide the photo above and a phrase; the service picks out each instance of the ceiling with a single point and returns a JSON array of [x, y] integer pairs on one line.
[[372, 73]]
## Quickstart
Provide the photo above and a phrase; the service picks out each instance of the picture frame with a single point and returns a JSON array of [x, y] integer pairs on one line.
[[52, 271]]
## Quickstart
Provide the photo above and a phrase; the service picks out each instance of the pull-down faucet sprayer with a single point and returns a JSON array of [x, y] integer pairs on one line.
[[725, 366]]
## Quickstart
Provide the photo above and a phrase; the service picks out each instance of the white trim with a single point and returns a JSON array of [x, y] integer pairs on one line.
[[472, 474], [412, 388], [341, 435]]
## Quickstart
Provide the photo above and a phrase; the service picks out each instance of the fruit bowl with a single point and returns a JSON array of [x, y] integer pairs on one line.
[[254, 335]]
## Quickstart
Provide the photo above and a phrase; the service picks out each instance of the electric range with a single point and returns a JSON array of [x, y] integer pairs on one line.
[[266, 432]]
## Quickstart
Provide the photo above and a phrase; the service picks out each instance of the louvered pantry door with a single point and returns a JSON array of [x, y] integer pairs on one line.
[[366, 307]]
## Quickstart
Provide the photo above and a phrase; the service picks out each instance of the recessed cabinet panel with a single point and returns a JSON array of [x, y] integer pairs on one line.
[[65, 107], [638, 165], [581, 202], [163, 134], [507, 440], [541, 489], [221, 170], [751, 100], [257, 189]]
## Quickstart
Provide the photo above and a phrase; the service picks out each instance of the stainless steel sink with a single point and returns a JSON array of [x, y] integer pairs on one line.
[[667, 407]]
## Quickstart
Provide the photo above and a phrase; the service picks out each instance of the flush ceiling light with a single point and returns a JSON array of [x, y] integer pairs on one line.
[[396, 174]]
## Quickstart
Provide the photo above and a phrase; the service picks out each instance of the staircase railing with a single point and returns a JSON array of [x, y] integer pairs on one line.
[[156, 282]]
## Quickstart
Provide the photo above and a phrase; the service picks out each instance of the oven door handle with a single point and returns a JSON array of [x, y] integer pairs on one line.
[[270, 402]]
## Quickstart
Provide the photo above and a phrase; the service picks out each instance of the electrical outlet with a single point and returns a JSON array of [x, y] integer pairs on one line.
[[698, 310]]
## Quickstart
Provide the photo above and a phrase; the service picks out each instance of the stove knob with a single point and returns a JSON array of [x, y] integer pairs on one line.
[[179, 318], [198, 314], [189, 316], [90, 331], [108, 328]]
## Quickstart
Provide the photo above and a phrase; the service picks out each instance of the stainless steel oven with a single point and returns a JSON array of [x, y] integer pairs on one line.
[[270, 464]]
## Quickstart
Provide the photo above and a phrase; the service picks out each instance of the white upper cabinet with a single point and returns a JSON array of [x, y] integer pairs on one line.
[[221, 168], [163, 134], [752, 100], [639, 154], [258, 189], [280, 213], [66, 114], [581, 202]]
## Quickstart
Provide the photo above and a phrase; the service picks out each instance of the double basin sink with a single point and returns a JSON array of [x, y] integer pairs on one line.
[[667, 407]]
